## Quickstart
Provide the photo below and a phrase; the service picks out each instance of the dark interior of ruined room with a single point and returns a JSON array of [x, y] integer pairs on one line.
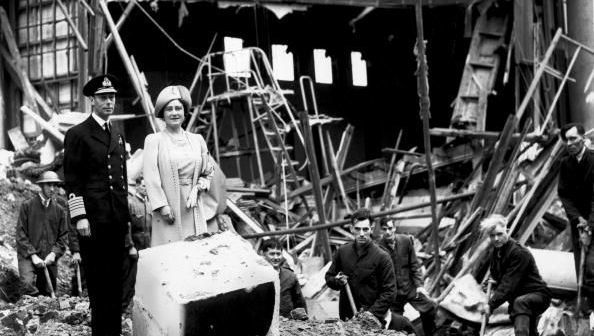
[[385, 37]]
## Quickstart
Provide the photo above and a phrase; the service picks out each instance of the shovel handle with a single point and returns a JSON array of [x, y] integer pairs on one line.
[[485, 318], [351, 299], [78, 280], [49, 282]]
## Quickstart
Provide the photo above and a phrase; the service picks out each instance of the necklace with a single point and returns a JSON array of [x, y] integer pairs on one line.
[[178, 139]]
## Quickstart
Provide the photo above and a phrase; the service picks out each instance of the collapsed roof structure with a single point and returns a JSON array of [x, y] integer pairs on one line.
[[301, 102]]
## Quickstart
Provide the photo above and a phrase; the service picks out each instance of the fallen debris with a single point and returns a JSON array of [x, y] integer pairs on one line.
[[332, 327]]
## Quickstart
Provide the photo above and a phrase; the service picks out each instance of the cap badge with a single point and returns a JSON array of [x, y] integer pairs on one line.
[[106, 82], [175, 92]]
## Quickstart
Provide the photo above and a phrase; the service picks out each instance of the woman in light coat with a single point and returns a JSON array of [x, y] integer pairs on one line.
[[177, 170]]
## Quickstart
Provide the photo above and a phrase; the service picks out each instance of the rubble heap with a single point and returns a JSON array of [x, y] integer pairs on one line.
[[42, 316], [332, 327]]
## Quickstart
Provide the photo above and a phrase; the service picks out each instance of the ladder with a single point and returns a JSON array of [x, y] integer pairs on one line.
[[481, 67], [271, 117]]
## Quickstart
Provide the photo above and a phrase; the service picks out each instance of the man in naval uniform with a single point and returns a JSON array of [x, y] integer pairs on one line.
[[96, 185]]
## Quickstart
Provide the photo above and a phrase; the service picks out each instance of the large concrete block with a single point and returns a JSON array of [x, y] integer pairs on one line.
[[213, 286]]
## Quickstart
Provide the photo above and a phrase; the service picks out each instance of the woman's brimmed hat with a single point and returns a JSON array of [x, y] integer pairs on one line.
[[170, 93], [49, 177]]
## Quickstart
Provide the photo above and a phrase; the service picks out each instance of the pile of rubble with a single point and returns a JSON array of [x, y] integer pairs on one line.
[[13, 195], [42, 316], [332, 327]]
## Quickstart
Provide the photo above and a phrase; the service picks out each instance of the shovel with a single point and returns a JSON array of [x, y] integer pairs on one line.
[[350, 296], [78, 280], [485, 318], [49, 282], [61, 304]]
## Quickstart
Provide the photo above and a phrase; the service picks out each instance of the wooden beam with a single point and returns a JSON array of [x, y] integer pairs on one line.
[[451, 132], [360, 3], [72, 25], [381, 214], [424, 104], [306, 189], [247, 219], [121, 20], [338, 185], [20, 78], [146, 103], [53, 131], [322, 243]]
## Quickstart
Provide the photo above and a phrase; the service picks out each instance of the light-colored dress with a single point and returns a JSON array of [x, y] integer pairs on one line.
[[172, 167]]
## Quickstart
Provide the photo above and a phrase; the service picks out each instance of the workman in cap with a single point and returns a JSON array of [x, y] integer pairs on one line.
[[97, 190], [363, 270], [41, 235], [409, 277]]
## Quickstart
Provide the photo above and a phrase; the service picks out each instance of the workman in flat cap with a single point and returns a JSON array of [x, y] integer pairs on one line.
[[97, 190]]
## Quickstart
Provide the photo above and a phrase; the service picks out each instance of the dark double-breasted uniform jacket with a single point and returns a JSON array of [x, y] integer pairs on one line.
[[95, 169]]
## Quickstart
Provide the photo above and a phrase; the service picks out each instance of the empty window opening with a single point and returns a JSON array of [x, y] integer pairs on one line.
[[236, 60], [282, 62], [322, 67], [359, 67]]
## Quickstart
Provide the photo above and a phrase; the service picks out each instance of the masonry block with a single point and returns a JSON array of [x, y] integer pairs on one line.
[[212, 286]]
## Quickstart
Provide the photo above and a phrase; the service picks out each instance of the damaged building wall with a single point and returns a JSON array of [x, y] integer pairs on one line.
[[385, 37]]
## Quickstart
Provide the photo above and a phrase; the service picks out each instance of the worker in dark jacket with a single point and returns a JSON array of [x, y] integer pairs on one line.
[[96, 185], [41, 235], [291, 298], [409, 277], [366, 269], [517, 279], [576, 183]]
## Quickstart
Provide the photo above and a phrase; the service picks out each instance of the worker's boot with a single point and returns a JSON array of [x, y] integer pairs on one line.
[[428, 321], [522, 325]]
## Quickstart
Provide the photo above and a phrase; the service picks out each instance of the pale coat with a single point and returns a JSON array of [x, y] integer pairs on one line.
[[163, 187]]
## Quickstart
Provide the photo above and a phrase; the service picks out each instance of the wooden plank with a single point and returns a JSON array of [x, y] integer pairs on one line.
[[322, 240], [30, 95], [381, 214], [72, 25], [484, 135], [390, 170], [496, 163], [247, 219], [508, 177], [334, 170], [57, 135], [128, 65], [83, 60], [120, 23], [345, 145], [557, 149], [328, 179], [538, 211], [363, 3]]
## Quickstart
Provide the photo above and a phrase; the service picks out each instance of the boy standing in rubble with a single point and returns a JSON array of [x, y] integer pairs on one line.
[[41, 234], [291, 298]]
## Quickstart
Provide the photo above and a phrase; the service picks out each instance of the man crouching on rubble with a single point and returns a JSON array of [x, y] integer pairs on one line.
[[517, 279], [41, 235], [409, 277], [366, 269], [292, 303]]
